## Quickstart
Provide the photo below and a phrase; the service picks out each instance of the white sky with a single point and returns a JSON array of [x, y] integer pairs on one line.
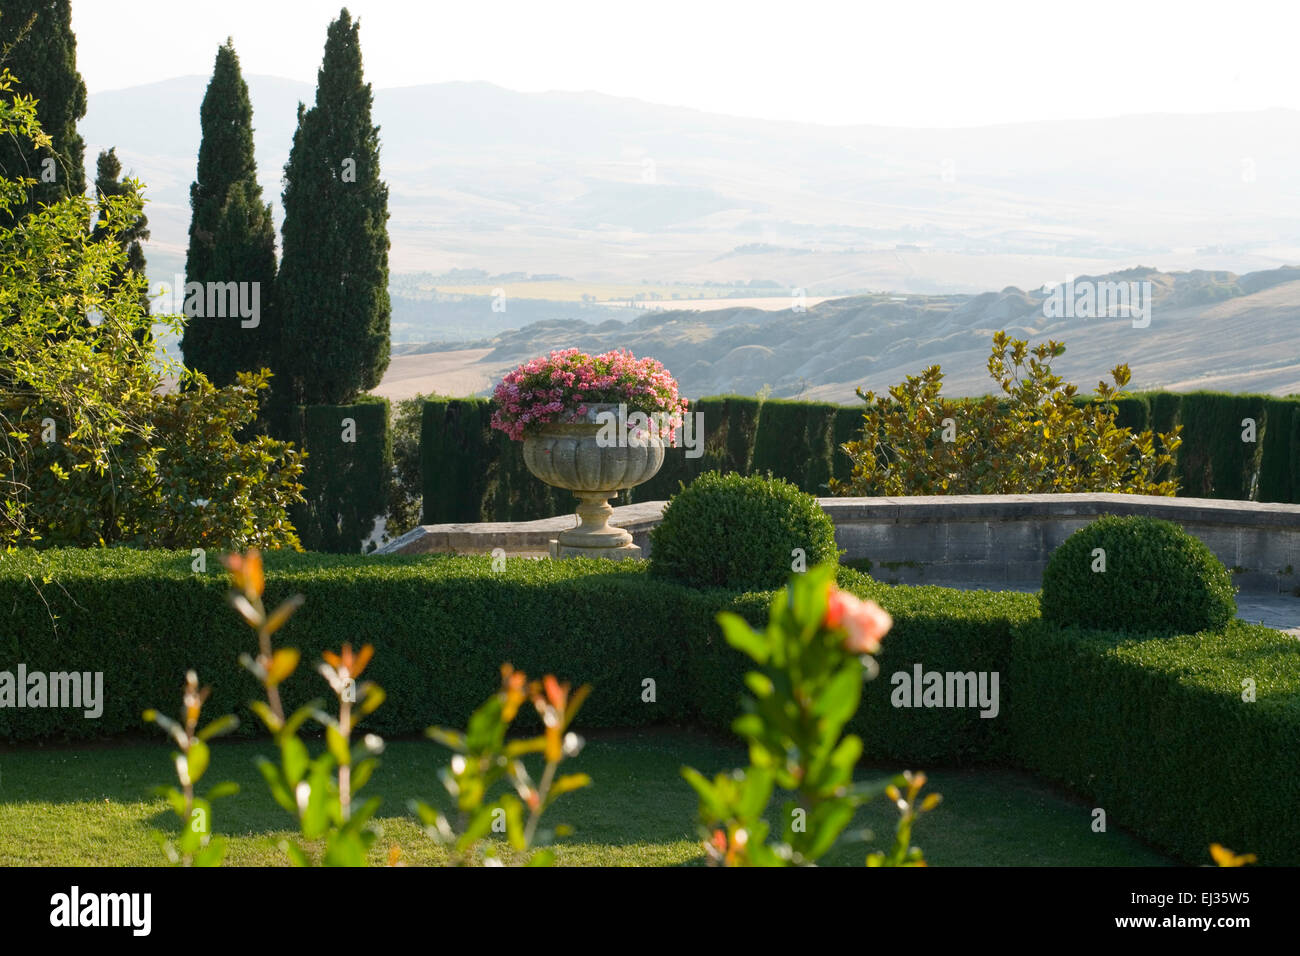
[[895, 63]]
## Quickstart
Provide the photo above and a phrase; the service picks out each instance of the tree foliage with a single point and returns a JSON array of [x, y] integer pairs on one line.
[[1034, 438], [109, 182], [333, 285], [93, 448], [232, 232], [37, 45]]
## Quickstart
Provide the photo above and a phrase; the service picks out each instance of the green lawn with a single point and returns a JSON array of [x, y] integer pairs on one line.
[[91, 806]]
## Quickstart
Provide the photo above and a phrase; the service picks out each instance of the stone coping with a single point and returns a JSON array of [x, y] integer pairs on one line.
[[638, 519], [991, 507]]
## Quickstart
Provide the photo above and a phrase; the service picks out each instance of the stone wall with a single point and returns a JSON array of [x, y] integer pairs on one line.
[[998, 540]]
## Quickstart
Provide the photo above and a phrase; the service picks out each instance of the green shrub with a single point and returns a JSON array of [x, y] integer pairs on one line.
[[1166, 408], [1157, 730], [442, 625], [848, 422], [348, 474], [1220, 464], [1165, 734], [1151, 576], [1033, 438], [456, 450], [733, 531], [725, 442], [95, 450], [795, 441], [1279, 478], [471, 472], [405, 493]]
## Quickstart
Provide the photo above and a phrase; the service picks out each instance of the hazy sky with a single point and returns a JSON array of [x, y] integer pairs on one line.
[[897, 63]]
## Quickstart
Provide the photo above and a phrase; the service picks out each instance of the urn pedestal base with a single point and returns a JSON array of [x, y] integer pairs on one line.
[[579, 455], [594, 537], [559, 551]]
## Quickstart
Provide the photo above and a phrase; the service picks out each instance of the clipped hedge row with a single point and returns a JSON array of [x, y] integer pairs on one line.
[[471, 473], [1155, 731], [1214, 461], [346, 475], [441, 627]]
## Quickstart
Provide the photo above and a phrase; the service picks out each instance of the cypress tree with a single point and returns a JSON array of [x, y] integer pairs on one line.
[[109, 183], [232, 233], [244, 251], [38, 47], [332, 296]]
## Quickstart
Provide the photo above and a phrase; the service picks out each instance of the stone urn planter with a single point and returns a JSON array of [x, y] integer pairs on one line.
[[572, 456]]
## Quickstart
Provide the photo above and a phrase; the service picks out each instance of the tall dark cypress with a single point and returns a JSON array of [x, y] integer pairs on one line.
[[244, 252], [109, 183], [38, 47], [232, 233], [332, 294]]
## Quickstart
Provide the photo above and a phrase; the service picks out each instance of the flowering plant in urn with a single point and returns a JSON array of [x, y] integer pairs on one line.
[[561, 386], [594, 424]]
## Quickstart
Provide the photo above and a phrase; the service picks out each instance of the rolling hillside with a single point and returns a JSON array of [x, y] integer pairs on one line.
[[1208, 330]]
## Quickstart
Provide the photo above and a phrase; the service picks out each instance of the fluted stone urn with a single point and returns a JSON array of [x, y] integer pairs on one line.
[[594, 461]]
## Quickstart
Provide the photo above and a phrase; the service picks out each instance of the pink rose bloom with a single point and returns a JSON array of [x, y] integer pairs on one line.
[[865, 622]]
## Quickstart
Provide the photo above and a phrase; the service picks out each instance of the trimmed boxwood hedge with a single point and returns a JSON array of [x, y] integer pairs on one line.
[[1156, 577], [442, 625], [1155, 731], [740, 532]]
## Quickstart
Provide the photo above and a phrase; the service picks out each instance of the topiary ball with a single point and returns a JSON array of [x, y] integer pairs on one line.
[[739, 532], [1156, 578]]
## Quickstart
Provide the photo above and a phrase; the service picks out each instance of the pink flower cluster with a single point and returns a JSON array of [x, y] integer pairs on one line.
[[559, 387]]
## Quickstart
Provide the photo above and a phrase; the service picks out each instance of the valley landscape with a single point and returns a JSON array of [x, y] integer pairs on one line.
[[528, 221], [874, 341]]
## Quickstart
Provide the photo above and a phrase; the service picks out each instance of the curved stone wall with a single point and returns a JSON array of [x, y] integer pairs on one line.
[[994, 540]]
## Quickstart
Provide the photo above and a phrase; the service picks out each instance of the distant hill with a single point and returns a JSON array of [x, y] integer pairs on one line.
[[1208, 330], [606, 189]]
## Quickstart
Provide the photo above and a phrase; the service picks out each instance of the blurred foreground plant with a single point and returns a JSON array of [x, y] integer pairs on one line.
[[812, 659], [483, 758], [1223, 857], [197, 846], [319, 792]]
